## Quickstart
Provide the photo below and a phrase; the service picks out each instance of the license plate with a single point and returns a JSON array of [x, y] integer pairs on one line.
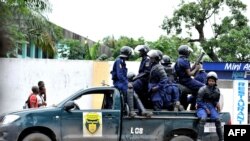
[[210, 127]]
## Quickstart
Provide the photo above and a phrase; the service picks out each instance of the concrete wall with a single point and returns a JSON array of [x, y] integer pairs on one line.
[[62, 78]]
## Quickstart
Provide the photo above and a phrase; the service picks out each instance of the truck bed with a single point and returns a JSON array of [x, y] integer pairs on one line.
[[164, 125]]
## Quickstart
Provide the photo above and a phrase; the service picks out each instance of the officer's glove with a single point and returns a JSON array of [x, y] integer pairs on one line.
[[218, 107], [155, 89], [130, 86]]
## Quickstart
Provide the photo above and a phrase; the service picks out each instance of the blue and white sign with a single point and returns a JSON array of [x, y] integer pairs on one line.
[[226, 66], [240, 102]]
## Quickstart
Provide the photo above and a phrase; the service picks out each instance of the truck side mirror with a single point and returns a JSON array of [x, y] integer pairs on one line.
[[69, 105]]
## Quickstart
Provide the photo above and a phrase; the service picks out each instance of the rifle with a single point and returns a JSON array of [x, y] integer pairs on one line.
[[140, 75], [198, 60]]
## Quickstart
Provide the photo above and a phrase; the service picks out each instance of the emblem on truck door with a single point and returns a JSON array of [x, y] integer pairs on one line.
[[92, 122]]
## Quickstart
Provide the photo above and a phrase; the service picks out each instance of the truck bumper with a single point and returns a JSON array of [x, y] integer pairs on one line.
[[8, 133]]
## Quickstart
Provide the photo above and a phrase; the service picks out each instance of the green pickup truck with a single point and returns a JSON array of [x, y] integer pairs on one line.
[[99, 113]]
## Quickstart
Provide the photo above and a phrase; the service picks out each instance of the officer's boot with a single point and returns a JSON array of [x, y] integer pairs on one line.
[[219, 130], [130, 101], [178, 106], [200, 129], [141, 107], [183, 101], [181, 108]]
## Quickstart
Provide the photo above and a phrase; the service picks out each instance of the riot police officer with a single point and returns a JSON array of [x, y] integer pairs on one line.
[[119, 71], [184, 72], [140, 82], [166, 62], [157, 82], [207, 104], [135, 98], [172, 87]]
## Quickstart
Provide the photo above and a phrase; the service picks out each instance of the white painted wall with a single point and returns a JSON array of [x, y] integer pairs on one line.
[[62, 78]]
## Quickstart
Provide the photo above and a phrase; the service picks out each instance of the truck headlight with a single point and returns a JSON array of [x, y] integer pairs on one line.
[[9, 119]]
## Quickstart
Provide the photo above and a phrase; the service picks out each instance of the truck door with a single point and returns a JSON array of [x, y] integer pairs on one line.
[[93, 118]]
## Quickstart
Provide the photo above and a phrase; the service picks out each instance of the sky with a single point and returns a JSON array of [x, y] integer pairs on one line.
[[96, 19]]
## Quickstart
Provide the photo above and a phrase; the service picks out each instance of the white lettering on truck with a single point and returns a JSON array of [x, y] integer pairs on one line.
[[136, 130]]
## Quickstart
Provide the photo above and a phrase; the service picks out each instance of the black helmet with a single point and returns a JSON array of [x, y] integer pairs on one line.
[[142, 48], [166, 60], [126, 51], [130, 76], [185, 50], [160, 54], [155, 54]]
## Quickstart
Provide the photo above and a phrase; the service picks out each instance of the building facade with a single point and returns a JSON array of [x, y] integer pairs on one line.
[[29, 50]]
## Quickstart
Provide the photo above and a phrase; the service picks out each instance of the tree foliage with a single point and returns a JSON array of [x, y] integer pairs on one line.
[[24, 21], [116, 44], [80, 50], [87, 55], [74, 50], [169, 46], [224, 44]]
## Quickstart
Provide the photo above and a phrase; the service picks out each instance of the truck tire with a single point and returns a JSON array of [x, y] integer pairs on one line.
[[181, 138], [36, 137]]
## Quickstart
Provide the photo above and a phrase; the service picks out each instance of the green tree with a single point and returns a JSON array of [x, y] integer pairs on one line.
[[169, 46], [197, 15], [76, 49], [87, 55], [24, 21], [94, 51], [115, 45], [109, 41], [235, 46]]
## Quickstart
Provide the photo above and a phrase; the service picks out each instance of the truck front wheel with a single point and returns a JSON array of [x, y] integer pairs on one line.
[[36, 137], [181, 138]]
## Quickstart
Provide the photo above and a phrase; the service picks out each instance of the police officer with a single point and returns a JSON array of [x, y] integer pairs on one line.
[[140, 82], [119, 71], [184, 72], [135, 98], [207, 104], [166, 62], [172, 87], [157, 82]]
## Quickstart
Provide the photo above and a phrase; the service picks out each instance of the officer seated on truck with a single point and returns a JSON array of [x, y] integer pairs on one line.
[[184, 74], [133, 97], [140, 81], [208, 105], [172, 87], [158, 87]]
